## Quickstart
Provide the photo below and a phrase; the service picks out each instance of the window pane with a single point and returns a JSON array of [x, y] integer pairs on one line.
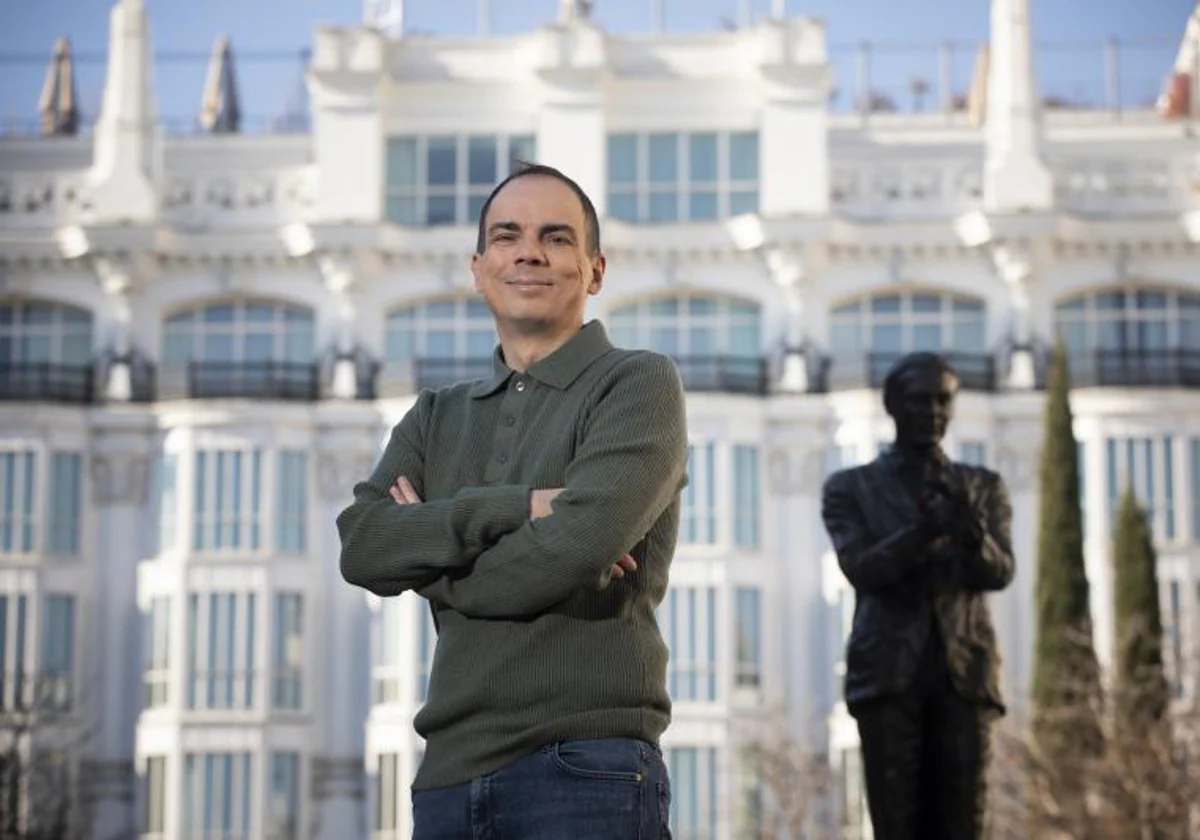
[[622, 158], [441, 160], [439, 210], [743, 156], [886, 304], [34, 314], [664, 306], [927, 337], [845, 337], [481, 161], [743, 201], [926, 303], [623, 206], [258, 347], [402, 162], [745, 340], [664, 207], [218, 347], [886, 338], [702, 158], [1110, 301], [664, 164], [702, 206], [219, 313], [403, 210], [1151, 300]]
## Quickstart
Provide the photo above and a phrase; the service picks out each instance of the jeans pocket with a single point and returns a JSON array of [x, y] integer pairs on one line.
[[607, 759]]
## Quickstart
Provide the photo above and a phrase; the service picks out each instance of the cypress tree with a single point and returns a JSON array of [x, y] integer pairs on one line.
[[1066, 677], [1141, 693]]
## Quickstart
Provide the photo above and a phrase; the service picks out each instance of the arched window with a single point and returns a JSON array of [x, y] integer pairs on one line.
[[1145, 336], [869, 334], [437, 342], [716, 340], [251, 348], [45, 351]]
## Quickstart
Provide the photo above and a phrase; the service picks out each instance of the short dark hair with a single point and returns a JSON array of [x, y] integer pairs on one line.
[[907, 364], [524, 170]]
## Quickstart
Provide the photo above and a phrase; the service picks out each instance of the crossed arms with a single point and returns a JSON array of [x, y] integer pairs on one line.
[[479, 551], [976, 555]]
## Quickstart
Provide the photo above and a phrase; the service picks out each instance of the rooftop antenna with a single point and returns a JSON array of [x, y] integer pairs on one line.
[[385, 15]]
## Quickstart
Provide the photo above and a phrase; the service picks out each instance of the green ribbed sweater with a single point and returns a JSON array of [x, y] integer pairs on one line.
[[535, 642]]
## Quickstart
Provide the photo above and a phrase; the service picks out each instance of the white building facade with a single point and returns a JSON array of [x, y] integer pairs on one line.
[[204, 341]]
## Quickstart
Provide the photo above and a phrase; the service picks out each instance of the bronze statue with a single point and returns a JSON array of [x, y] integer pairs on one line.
[[922, 540]]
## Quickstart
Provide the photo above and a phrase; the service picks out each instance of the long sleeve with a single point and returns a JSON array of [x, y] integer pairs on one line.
[[388, 548], [627, 469], [868, 565], [989, 565]]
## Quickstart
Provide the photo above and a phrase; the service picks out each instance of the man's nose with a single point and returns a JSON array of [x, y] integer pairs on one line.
[[530, 249]]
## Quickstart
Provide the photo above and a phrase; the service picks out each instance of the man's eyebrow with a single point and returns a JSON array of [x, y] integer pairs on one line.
[[506, 226], [557, 227]]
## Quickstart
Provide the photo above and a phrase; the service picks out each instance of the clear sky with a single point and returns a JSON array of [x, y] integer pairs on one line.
[[268, 36]]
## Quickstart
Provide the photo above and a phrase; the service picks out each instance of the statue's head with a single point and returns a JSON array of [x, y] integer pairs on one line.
[[919, 394]]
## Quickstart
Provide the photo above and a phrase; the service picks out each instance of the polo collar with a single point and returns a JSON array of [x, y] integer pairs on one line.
[[558, 370]]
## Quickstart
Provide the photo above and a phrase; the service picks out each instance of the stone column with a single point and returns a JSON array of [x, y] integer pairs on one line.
[[119, 469], [788, 273], [794, 140], [1016, 178], [116, 281], [571, 65], [340, 281], [1017, 273], [339, 795]]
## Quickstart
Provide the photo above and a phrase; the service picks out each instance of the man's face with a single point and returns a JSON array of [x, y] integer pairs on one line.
[[535, 272], [922, 406]]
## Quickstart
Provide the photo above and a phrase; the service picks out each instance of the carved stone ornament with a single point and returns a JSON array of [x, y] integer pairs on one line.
[[119, 478], [338, 472], [1018, 466], [796, 471]]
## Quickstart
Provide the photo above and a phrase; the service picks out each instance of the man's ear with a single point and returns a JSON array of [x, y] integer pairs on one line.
[[598, 266]]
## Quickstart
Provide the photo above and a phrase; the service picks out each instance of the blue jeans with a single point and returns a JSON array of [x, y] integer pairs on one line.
[[606, 789]]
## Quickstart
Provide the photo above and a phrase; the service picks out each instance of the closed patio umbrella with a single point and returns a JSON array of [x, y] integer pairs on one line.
[[59, 104], [220, 112]]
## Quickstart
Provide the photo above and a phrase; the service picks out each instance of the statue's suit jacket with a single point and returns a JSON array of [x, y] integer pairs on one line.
[[902, 589]]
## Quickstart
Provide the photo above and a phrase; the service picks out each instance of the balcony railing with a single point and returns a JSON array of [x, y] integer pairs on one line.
[[241, 380], [724, 374], [46, 381], [976, 371], [1136, 368], [401, 378]]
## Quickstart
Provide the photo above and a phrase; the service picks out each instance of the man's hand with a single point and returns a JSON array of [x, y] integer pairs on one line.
[[403, 493]]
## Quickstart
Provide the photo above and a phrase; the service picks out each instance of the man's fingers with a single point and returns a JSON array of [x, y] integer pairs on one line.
[[407, 490]]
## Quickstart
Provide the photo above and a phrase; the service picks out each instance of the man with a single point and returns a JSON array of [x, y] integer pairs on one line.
[[538, 512], [922, 540]]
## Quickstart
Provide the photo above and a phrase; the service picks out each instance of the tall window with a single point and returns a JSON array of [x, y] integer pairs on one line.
[[221, 650], [283, 815], [156, 647], [1146, 466], [291, 493], [438, 342], [58, 653], [166, 476], [217, 795], [1129, 320], [65, 503], [748, 644], [228, 500], [154, 797], [699, 503], [694, 801], [444, 179], [387, 799], [240, 331], [677, 176], [289, 650], [13, 677], [18, 477], [36, 331], [745, 497], [902, 323], [388, 666], [689, 617], [690, 326]]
